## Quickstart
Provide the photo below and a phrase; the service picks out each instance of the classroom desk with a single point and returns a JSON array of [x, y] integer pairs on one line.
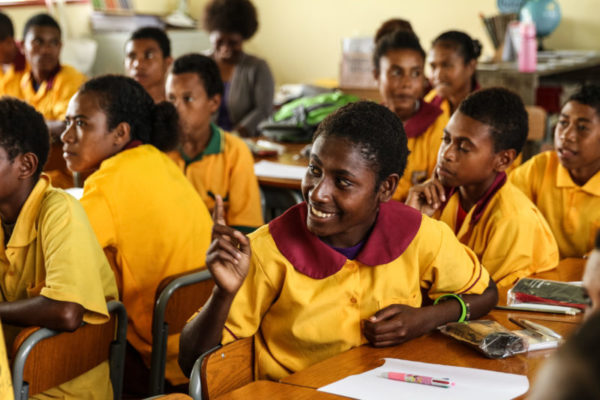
[[439, 349], [290, 156], [273, 390]]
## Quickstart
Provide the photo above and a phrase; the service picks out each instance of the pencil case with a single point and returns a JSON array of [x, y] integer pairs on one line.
[[486, 336], [530, 290]]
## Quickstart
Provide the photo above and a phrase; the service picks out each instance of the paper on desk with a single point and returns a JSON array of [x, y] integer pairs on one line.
[[269, 169], [470, 383]]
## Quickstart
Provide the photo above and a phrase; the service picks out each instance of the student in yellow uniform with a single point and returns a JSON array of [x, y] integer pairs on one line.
[[11, 58], [345, 268], [146, 215], [565, 183], [53, 272], [6, 387], [48, 86], [215, 162], [471, 194], [399, 62], [148, 58]]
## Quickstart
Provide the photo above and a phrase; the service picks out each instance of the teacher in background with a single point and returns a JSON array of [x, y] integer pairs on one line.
[[249, 86]]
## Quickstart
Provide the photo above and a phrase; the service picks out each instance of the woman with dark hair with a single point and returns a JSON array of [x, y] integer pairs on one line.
[[147, 217], [249, 86], [453, 61]]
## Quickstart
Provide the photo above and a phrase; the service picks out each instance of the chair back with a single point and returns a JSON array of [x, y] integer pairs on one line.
[[178, 297], [537, 122], [44, 358], [223, 369]]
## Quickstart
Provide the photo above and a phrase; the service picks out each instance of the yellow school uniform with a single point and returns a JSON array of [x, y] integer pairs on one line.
[[424, 131], [152, 224], [10, 77], [6, 388], [225, 168], [53, 252], [572, 211], [304, 301], [506, 231]]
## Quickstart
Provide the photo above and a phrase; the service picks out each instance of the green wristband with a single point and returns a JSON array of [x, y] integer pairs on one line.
[[463, 306]]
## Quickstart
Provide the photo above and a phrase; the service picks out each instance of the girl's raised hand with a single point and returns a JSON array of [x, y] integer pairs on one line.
[[228, 256]]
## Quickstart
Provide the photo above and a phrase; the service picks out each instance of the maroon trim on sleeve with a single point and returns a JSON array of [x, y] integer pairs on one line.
[[418, 123], [474, 282], [231, 333], [395, 228]]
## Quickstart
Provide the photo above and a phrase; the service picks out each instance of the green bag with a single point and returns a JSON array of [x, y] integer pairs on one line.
[[297, 120]]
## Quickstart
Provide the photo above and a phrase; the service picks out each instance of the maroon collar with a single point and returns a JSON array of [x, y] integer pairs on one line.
[[19, 62], [481, 205], [395, 228], [425, 116]]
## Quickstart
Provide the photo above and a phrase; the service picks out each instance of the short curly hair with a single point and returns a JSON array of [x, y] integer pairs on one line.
[[156, 34], [396, 40], [124, 100], [23, 130], [231, 16], [206, 69], [504, 112], [6, 27], [588, 95], [42, 19], [375, 130]]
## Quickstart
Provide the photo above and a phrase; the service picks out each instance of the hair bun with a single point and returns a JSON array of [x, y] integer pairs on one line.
[[476, 48]]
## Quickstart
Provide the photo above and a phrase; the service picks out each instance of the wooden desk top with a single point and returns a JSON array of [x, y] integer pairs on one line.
[[291, 156], [439, 349], [274, 390]]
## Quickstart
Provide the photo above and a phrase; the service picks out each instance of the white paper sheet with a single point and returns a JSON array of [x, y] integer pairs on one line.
[[269, 169], [469, 383]]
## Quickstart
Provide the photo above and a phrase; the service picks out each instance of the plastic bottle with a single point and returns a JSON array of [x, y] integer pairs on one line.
[[528, 49]]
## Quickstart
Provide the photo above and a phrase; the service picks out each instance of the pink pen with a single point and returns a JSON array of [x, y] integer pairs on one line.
[[423, 380]]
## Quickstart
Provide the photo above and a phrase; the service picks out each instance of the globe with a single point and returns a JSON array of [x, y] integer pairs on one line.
[[544, 13]]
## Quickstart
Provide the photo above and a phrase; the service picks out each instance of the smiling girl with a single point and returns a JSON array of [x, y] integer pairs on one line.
[[344, 268], [399, 62], [146, 215], [565, 183]]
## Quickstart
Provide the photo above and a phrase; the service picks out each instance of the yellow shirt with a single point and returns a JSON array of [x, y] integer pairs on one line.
[[509, 235], [572, 211], [6, 388], [310, 310], [226, 168], [152, 224], [53, 252], [423, 153]]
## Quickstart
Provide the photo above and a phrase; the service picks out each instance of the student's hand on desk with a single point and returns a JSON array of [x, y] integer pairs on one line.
[[426, 197], [228, 256], [394, 325]]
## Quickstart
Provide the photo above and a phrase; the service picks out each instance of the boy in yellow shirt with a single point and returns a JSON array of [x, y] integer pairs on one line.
[[214, 161], [471, 194], [148, 58], [345, 268], [53, 272], [399, 67], [48, 86], [565, 183]]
